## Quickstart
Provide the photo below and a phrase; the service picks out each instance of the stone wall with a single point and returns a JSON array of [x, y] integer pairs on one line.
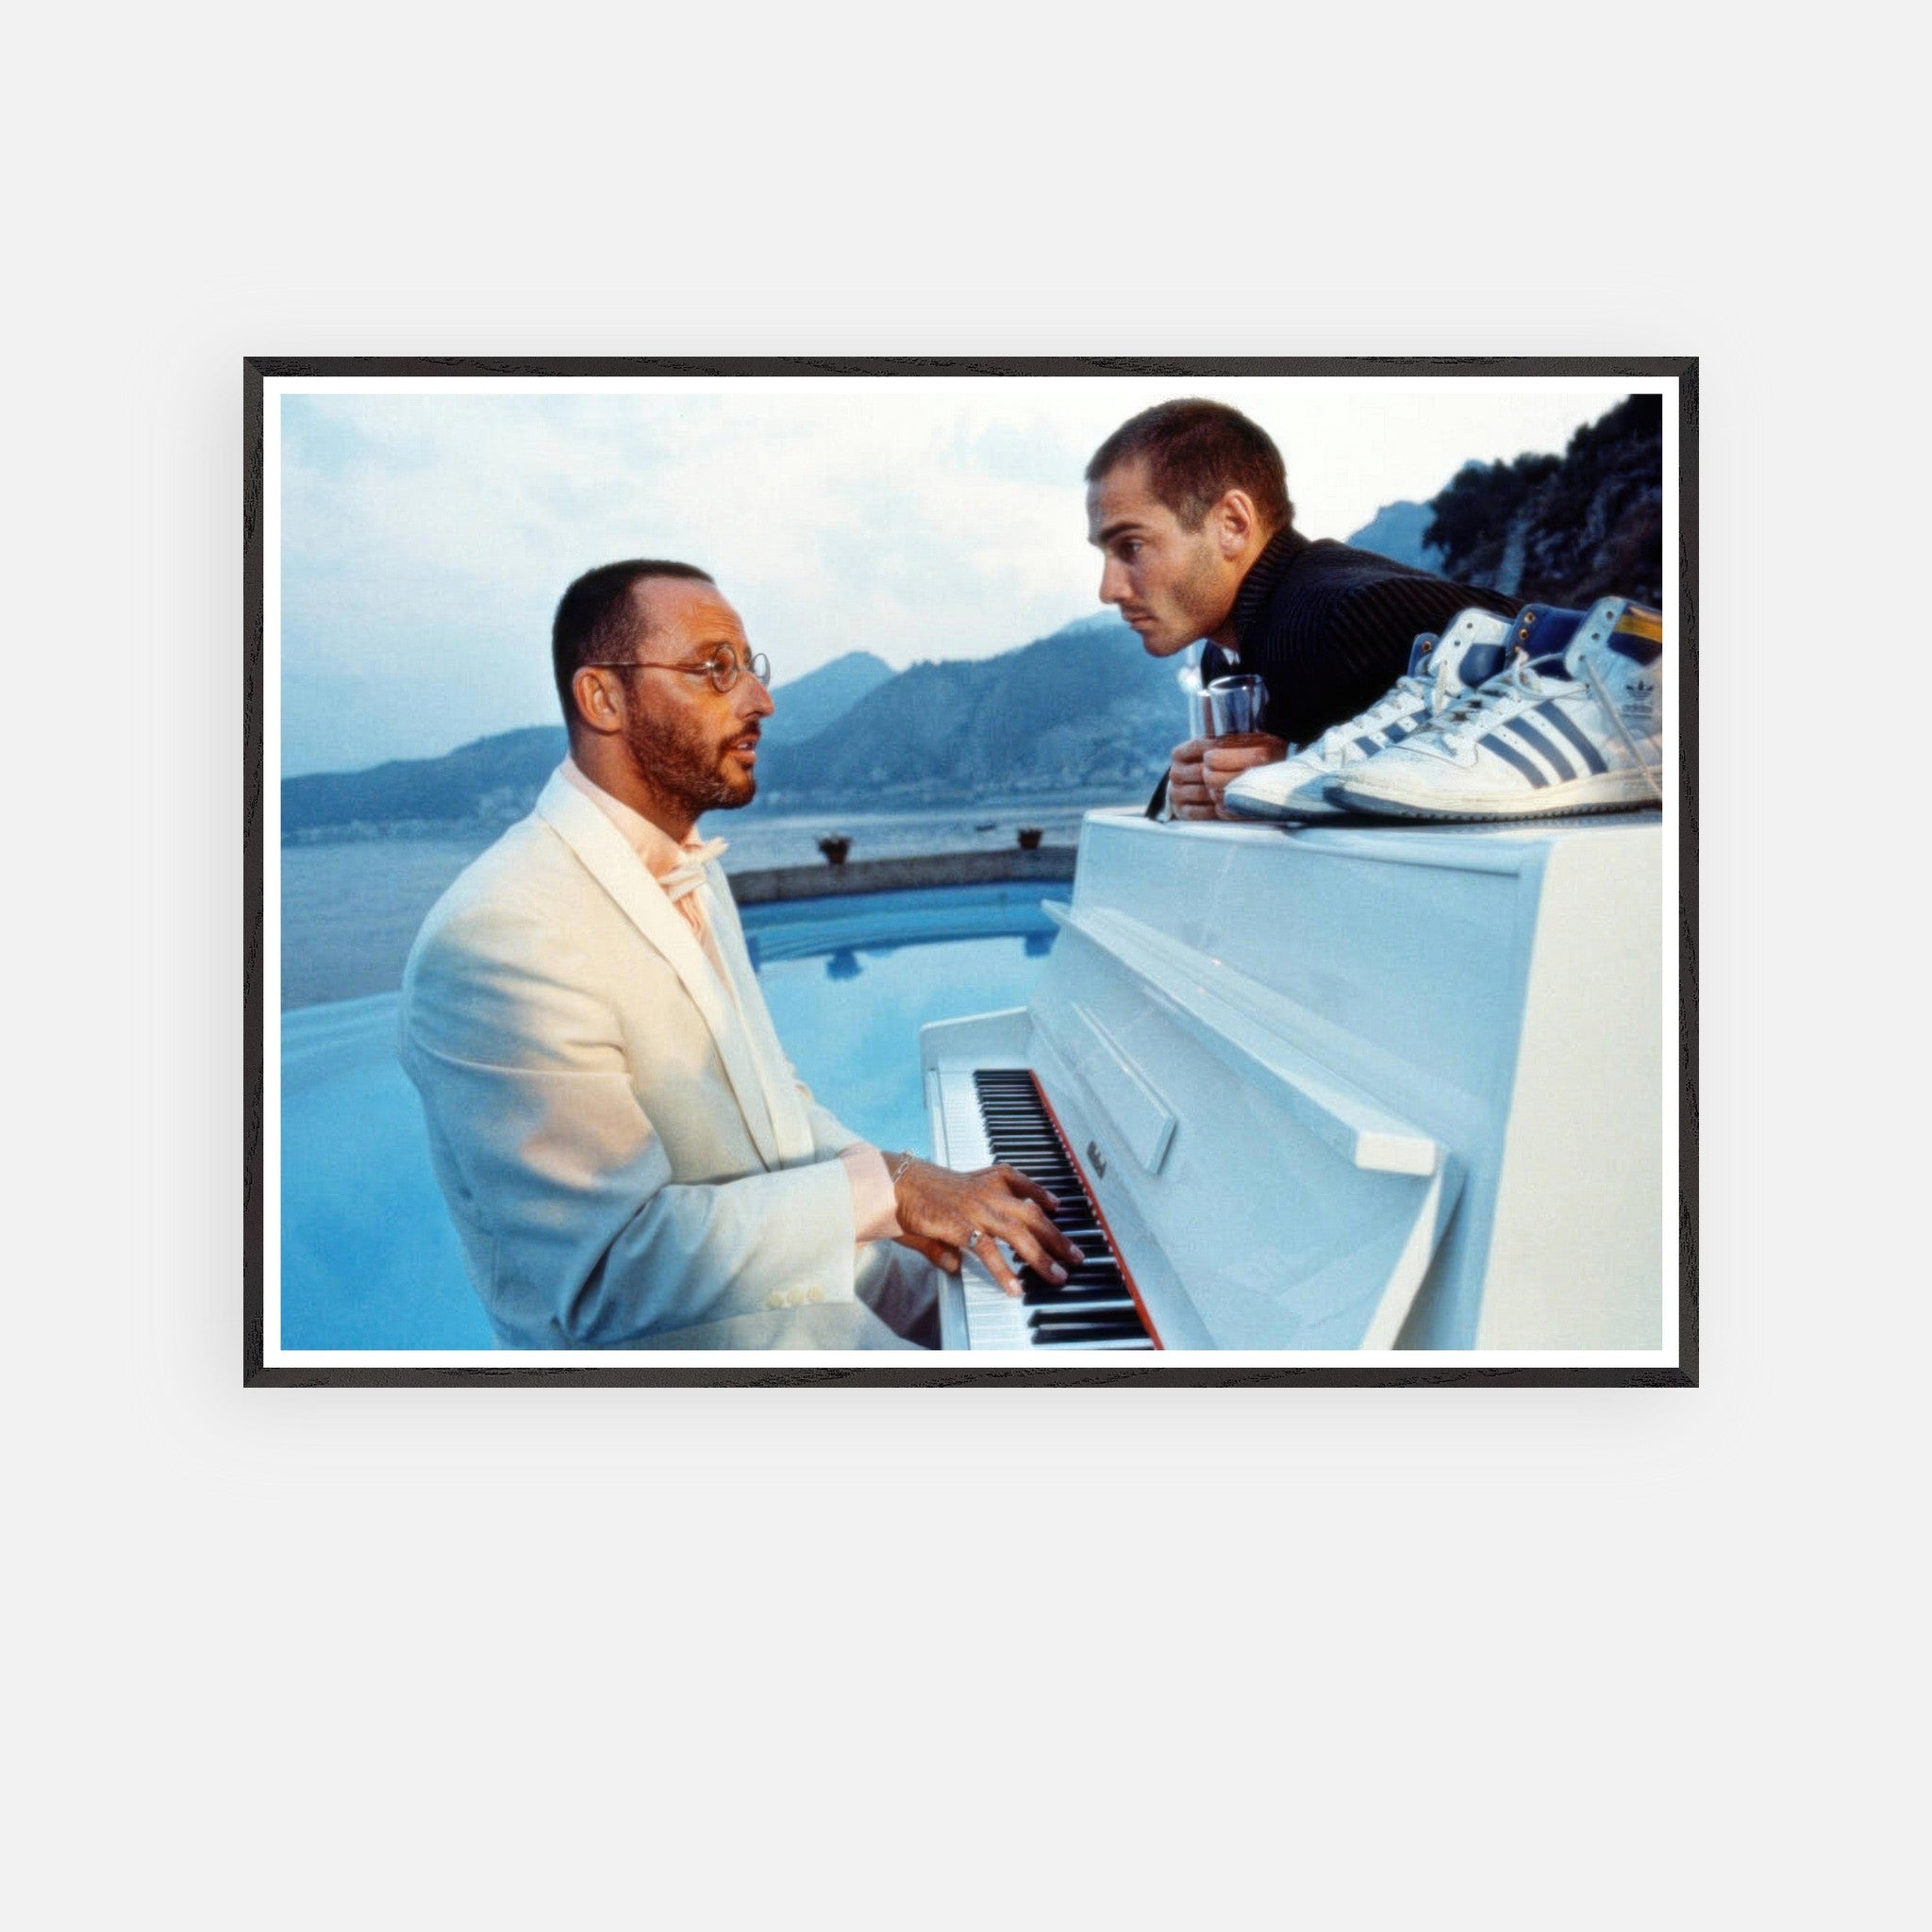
[[1049, 864]]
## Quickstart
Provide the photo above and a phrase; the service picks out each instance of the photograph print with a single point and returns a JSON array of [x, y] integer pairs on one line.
[[940, 871]]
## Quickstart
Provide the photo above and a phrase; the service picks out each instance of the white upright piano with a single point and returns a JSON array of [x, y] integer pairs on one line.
[[1332, 1088]]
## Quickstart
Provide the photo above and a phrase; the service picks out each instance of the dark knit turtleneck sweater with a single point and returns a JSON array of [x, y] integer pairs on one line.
[[1329, 628]]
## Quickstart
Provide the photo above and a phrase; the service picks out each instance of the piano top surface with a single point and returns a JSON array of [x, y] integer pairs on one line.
[[1413, 840]]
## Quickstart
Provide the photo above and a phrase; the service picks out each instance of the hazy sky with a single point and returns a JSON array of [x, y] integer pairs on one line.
[[425, 538]]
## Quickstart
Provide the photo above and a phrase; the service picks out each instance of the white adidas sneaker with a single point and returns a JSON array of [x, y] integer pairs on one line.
[[1470, 651], [1575, 724]]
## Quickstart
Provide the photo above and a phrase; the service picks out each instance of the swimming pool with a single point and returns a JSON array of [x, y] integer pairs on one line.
[[369, 1259]]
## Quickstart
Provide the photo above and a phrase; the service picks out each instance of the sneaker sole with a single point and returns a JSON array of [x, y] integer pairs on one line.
[[1271, 813], [1556, 802]]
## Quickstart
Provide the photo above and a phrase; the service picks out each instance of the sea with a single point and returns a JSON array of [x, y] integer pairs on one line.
[[351, 908]]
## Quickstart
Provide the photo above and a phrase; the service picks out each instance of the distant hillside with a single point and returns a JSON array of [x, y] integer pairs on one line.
[[1083, 709], [808, 704], [1564, 529], [1397, 530], [495, 779]]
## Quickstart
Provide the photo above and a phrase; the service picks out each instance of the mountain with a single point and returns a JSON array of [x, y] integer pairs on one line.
[[807, 705], [494, 779], [1564, 529], [1082, 711], [1396, 530]]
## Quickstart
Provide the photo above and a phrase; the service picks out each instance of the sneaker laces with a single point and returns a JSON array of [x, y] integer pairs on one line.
[[1459, 725], [1331, 749]]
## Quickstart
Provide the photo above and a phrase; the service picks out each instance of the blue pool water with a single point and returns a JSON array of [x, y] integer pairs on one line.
[[369, 1258]]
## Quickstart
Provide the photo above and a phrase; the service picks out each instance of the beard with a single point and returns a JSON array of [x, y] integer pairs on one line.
[[685, 764], [1199, 601]]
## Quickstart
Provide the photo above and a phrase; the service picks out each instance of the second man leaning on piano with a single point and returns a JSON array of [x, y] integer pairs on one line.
[[1187, 501], [628, 1157]]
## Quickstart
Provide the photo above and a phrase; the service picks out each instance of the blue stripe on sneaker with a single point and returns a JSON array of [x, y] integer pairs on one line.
[[1396, 735], [1592, 757], [1368, 746], [1544, 748], [1509, 753], [1481, 663]]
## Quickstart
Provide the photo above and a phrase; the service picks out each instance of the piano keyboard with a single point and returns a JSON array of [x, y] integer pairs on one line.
[[1004, 1117]]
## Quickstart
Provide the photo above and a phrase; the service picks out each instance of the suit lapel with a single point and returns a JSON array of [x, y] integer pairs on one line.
[[789, 1122], [609, 859]]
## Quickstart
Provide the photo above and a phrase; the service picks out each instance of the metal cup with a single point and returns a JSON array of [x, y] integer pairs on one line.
[[1235, 705]]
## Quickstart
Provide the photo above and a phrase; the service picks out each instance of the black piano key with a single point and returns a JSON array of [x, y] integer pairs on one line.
[[1082, 1338], [1063, 1308], [1078, 1285], [1092, 1315], [1095, 1268], [1092, 1252], [1052, 1321]]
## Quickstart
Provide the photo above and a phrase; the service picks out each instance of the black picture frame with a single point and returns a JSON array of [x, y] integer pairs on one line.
[[1432, 1370]]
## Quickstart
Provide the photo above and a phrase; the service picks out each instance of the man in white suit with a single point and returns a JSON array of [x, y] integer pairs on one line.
[[628, 1157]]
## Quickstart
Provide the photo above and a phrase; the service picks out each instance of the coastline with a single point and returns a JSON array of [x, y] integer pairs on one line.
[[350, 909]]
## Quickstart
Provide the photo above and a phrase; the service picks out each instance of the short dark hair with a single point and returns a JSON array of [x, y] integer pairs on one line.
[[1195, 453], [596, 621]]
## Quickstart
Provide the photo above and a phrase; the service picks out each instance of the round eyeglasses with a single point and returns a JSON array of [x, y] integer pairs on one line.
[[722, 667]]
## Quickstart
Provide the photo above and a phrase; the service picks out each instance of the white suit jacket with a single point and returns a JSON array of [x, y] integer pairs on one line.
[[628, 1157]]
